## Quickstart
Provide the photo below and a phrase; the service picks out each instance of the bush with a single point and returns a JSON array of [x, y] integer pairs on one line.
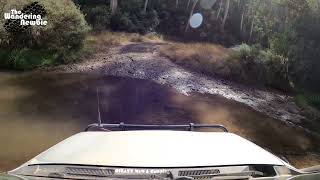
[[64, 34], [262, 66], [276, 70], [302, 47], [173, 21], [25, 59], [137, 22], [98, 17], [249, 63]]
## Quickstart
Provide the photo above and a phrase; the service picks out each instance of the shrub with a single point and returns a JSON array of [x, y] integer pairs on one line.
[[245, 65], [64, 34], [262, 67], [98, 17], [173, 21], [25, 59], [302, 47], [276, 70], [137, 22]]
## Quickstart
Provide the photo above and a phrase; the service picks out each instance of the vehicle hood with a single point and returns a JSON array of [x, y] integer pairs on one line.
[[155, 149]]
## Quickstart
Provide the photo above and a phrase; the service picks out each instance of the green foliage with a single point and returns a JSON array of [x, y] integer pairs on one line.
[[314, 99], [25, 59], [98, 17], [258, 66], [173, 21], [135, 22], [129, 16], [276, 70], [307, 53], [301, 46], [63, 35]]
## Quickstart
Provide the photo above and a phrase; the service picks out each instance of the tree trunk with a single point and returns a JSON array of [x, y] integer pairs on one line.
[[269, 6], [219, 10], [191, 13], [225, 15], [241, 22], [251, 28], [145, 6], [114, 6], [188, 4], [286, 18], [252, 12]]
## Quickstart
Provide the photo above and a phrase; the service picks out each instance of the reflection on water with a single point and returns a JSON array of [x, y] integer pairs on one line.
[[38, 110]]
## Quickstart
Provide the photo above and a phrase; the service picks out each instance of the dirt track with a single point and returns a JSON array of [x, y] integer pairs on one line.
[[144, 61]]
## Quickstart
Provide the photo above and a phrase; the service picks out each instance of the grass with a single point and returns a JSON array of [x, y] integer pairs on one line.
[[307, 98], [103, 39], [204, 57], [309, 102], [314, 100]]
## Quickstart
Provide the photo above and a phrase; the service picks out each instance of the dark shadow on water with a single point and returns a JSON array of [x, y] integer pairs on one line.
[[75, 96]]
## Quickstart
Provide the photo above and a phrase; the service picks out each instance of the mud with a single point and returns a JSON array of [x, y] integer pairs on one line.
[[144, 61]]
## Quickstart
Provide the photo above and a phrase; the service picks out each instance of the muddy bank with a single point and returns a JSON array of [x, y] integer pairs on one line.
[[143, 61]]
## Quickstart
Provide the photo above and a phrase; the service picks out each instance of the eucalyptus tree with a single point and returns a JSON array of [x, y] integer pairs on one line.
[[227, 5], [145, 6], [220, 8], [191, 13], [113, 6]]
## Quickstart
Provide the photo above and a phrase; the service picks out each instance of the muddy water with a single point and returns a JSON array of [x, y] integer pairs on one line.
[[38, 110]]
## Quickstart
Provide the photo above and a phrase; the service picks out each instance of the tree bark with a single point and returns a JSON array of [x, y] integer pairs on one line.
[[191, 13], [219, 10], [251, 28], [225, 15], [145, 6], [241, 22], [114, 6], [188, 4], [253, 19]]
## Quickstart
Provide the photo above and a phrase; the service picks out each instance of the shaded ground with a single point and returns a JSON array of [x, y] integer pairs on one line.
[[143, 61], [40, 109]]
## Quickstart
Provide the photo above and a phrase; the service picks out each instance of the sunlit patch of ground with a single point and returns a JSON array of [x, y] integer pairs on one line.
[[203, 57], [101, 40]]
